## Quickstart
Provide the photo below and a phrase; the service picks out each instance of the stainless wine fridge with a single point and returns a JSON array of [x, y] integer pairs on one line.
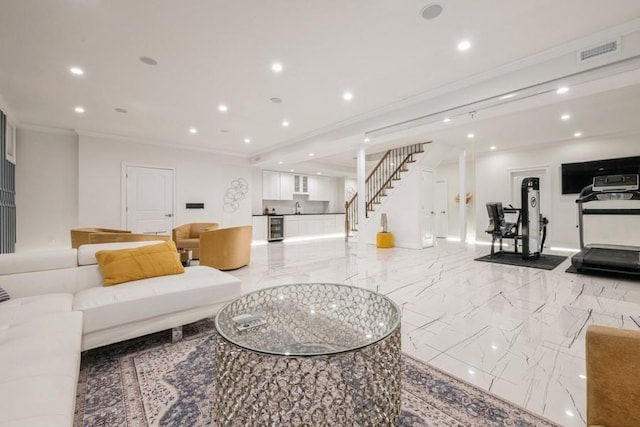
[[275, 228]]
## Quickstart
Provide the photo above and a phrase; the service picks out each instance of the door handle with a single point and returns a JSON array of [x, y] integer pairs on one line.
[[168, 215]]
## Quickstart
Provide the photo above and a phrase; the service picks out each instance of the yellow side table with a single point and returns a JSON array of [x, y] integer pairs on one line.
[[384, 240]]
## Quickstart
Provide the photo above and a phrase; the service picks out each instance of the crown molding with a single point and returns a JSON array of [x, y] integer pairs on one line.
[[47, 129], [243, 159]]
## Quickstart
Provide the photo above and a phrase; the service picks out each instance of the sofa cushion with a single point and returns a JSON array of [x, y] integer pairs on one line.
[[87, 253], [39, 365], [37, 261], [110, 306], [125, 265], [23, 310]]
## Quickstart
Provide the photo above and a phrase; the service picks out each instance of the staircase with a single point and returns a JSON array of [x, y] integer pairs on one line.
[[388, 171]]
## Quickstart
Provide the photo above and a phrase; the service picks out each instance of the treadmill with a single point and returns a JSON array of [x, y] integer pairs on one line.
[[600, 257]]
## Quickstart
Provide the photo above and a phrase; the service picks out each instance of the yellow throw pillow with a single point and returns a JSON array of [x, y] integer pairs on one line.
[[125, 265]]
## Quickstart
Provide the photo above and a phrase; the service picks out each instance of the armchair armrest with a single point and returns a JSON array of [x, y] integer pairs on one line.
[[181, 232], [124, 237]]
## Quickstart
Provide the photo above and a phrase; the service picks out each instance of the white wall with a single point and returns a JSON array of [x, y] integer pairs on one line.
[[449, 173], [46, 189], [200, 177], [492, 185], [402, 206]]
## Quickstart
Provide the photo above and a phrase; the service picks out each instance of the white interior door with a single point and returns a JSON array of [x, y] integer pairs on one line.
[[149, 199], [427, 213], [442, 217]]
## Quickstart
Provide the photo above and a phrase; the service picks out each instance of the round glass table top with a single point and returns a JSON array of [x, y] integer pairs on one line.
[[307, 319]]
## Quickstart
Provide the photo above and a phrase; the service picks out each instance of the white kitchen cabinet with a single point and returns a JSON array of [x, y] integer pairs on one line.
[[301, 184], [259, 228], [286, 186], [320, 188], [270, 185], [291, 226], [328, 224], [311, 225], [339, 220]]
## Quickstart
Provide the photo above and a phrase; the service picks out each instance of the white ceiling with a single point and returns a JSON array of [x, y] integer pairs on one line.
[[398, 66]]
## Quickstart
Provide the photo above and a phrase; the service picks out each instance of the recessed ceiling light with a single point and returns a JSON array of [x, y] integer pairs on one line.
[[276, 67], [193, 130], [447, 119], [577, 134], [247, 140], [285, 124], [311, 154], [470, 136], [562, 90], [77, 71], [509, 95], [431, 11], [291, 170], [280, 162], [565, 116], [493, 147], [79, 110], [464, 45], [367, 140], [347, 96], [275, 100], [223, 108], [120, 110], [148, 61], [318, 173]]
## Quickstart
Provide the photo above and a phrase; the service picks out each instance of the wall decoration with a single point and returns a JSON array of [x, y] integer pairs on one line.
[[235, 194], [349, 193], [467, 198]]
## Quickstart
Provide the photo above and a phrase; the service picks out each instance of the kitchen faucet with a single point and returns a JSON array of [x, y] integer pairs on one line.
[[297, 208]]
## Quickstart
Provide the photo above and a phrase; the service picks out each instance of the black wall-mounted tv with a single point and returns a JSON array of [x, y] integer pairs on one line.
[[576, 176]]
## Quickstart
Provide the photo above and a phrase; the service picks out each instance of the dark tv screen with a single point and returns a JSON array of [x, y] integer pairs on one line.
[[576, 176]]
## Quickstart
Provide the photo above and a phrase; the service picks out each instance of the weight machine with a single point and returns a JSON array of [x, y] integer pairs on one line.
[[530, 226]]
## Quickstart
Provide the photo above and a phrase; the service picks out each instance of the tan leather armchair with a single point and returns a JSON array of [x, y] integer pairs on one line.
[[226, 248], [125, 237], [187, 236], [613, 369], [80, 236]]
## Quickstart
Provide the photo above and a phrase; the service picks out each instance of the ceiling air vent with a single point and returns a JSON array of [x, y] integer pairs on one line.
[[607, 48]]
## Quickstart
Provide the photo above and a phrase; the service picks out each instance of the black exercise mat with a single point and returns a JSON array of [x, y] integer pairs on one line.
[[545, 262]]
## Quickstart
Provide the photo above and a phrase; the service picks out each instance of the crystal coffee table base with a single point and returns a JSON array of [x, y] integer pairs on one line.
[[360, 387]]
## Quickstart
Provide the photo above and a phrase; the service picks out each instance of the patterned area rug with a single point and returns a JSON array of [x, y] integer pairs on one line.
[[149, 381]]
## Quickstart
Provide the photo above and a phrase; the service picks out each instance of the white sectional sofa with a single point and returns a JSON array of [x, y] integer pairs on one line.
[[59, 307]]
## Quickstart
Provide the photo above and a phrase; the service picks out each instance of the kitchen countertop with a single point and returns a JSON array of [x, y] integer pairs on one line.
[[301, 214]]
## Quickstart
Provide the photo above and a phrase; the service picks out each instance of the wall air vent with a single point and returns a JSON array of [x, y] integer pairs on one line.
[[607, 48]]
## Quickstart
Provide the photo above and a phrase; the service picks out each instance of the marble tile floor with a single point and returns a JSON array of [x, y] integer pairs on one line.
[[514, 331]]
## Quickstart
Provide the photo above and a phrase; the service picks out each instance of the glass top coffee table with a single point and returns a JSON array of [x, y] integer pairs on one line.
[[308, 354]]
